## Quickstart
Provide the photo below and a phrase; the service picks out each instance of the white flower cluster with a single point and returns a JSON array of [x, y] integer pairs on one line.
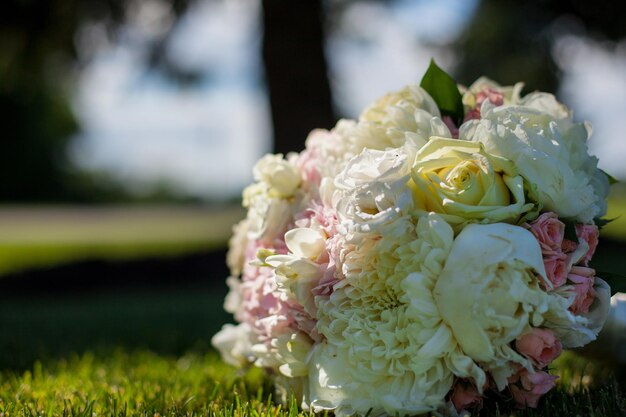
[[402, 264]]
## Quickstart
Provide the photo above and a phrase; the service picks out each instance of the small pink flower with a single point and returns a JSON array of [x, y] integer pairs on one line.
[[556, 268], [454, 130], [568, 246], [588, 233], [549, 231], [308, 163], [528, 388], [540, 346], [465, 395], [494, 96], [583, 279]]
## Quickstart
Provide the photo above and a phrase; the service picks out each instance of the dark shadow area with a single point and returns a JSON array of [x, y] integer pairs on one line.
[[168, 306]]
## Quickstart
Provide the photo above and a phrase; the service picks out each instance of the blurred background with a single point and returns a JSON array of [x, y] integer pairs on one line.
[[129, 129]]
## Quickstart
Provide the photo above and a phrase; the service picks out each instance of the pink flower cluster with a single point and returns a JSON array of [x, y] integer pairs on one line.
[[563, 261], [541, 347], [263, 306]]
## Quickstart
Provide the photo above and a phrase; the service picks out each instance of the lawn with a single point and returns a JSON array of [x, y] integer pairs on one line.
[[141, 383]]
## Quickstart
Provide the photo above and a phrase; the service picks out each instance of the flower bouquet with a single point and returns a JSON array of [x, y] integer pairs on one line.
[[424, 257]]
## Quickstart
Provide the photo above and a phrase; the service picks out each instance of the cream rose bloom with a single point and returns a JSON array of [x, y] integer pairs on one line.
[[489, 294], [462, 182], [549, 150]]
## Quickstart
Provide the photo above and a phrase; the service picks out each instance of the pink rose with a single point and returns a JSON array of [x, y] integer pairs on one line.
[[549, 231], [556, 268], [540, 346], [588, 233], [583, 279], [465, 395], [528, 388]]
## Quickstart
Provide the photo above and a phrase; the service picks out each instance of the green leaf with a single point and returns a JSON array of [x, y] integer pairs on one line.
[[612, 179], [616, 281], [570, 230], [443, 89], [603, 221]]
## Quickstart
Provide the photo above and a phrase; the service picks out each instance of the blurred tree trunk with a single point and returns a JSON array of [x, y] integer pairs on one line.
[[295, 71]]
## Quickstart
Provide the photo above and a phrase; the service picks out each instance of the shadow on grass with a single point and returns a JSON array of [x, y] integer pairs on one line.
[[168, 306]]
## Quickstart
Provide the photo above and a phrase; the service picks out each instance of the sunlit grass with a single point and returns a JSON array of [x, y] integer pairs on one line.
[[141, 383]]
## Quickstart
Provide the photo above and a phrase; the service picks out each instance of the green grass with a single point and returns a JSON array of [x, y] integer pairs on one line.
[[141, 383], [147, 353], [32, 237]]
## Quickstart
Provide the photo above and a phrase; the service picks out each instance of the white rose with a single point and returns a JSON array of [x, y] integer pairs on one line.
[[372, 189], [463, 183], [548, 149], [281, 177], [488, 293]]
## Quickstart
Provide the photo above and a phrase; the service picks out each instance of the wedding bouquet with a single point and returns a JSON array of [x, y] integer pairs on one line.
[[428, 255]]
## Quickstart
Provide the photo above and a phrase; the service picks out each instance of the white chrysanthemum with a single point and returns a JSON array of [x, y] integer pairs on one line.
[[548, 149], [387, 348]]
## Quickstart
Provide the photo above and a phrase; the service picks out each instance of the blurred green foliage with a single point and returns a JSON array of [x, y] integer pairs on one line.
[[510, 40]]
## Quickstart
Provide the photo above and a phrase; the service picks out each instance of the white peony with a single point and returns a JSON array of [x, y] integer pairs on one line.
[[548, 149], [489, 294]]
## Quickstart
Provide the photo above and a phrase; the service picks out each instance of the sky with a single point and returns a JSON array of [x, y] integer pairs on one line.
[[203, 141]]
